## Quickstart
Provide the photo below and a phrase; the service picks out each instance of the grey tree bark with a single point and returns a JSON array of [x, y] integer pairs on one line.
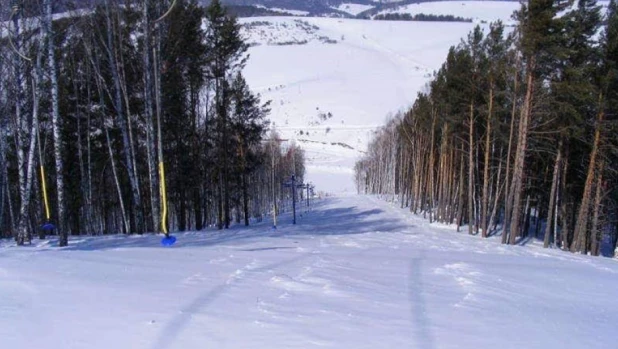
[[25, 134]]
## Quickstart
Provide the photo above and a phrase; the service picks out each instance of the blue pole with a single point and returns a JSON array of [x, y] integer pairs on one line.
[[294, 198]]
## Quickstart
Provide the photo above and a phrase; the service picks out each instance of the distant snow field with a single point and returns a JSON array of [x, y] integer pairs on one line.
[[333, 82], [476, 10]]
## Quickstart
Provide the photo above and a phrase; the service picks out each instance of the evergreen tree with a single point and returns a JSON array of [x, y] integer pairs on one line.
[[539, 44], [586, 235], [609, 85], [226, 56], [573, 90], [247, 127], [183, 77]]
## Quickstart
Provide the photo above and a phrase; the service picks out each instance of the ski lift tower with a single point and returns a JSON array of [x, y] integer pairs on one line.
[[295, 186]]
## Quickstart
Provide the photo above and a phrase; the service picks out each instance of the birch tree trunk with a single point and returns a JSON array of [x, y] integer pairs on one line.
[[23, 233], [57, 128], [25, 134]]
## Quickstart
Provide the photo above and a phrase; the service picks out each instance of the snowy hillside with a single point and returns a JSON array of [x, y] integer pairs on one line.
[[354, 273], [353, 8], [333, 81]]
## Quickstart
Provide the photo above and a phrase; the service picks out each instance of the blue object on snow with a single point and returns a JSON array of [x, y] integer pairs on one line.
[[48, 226], [168, 240]]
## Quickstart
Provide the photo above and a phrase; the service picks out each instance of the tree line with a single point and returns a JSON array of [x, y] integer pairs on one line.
[[132, 117], [420, 17], [516, 133]]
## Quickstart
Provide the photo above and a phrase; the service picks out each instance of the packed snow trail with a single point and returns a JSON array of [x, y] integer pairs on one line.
[[355, 272]]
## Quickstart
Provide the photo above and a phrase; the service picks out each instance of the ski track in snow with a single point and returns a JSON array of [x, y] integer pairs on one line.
[[355, 272]]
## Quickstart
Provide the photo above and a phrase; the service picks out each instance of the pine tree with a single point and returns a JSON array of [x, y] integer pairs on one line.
[[496, 52], [574, 92], [247, 127], [609, 85], [183, 56], [587, 19], [539, 47], [226, 55]]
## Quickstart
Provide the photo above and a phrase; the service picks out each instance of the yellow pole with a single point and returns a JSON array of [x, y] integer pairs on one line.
[[163, 193], [44, 192], [272, 171]]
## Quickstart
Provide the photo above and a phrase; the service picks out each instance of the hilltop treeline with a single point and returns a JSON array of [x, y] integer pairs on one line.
[[120, 110], [252, 11], [420, 17], [516, 134]]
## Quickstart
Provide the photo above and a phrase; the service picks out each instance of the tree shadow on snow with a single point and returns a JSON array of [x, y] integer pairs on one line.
[[421, 327], [320, 221], [174, 328]]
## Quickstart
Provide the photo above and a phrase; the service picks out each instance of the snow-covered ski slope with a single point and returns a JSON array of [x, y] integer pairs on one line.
[[359, 71], [355, 272]]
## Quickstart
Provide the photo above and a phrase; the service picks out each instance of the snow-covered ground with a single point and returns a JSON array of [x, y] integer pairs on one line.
[[355, 272]]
